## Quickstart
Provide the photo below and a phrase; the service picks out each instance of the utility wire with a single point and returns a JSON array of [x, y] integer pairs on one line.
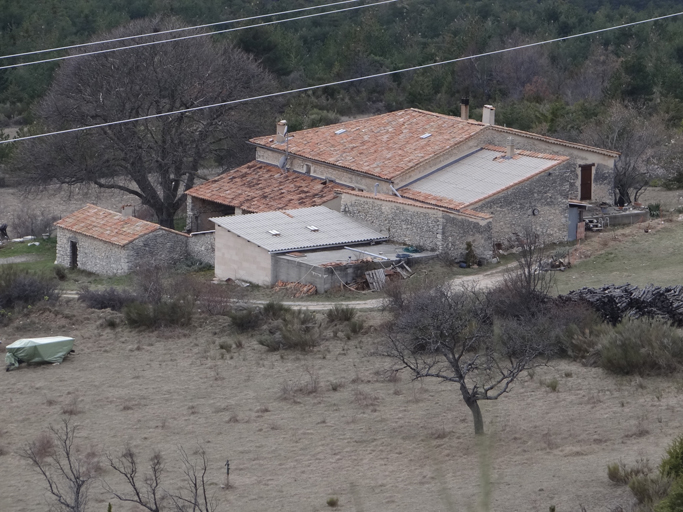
[[341, 82], [171, 31], [193, 36]]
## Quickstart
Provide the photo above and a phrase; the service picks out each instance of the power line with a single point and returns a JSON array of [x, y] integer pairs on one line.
[[193, 36], [171, 31], [342, 82]]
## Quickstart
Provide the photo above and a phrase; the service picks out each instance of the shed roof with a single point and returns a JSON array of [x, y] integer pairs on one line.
[[383, 146], [293, 228], [479, 175], [260, 187], [108, 226]]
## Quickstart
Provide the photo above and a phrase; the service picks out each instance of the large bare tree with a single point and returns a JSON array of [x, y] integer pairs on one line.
[[448, 334], [641, 138], [157, 159]]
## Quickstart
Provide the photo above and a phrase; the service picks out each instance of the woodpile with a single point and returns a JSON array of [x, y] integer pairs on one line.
[[295, 290], [616, 302]]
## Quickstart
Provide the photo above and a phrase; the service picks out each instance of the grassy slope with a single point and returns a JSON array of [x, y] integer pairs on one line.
[[655, 257]]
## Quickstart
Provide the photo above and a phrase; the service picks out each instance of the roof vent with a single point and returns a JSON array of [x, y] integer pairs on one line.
[[426, 135], [274, 233], [339, 132], [313, 228]]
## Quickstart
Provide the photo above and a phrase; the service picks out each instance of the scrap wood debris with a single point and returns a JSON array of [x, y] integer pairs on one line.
[[616, 302], [296, 290]]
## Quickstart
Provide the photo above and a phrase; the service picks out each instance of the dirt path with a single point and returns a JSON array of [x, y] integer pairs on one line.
[[19, 259]]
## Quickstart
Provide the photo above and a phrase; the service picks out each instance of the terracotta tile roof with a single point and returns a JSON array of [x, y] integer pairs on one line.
[[383, 146], [553, 140], [106, 225], [419, 204], [259, 187]]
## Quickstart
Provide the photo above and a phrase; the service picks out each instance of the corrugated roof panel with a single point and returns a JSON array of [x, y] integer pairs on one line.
[[334, 229], [479, 175]]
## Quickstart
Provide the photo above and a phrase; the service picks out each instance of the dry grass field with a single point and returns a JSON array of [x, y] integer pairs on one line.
[[300, 428]]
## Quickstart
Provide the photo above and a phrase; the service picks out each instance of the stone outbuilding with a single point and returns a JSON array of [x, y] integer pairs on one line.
[[109, 243]]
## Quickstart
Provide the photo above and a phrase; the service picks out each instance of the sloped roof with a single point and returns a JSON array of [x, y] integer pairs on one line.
[[383, 146], [443, 204], [260, 187], [333, 229], [482, 174], [108, 226]]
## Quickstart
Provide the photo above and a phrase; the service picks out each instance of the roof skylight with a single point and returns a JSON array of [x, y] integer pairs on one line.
[[426, 135]]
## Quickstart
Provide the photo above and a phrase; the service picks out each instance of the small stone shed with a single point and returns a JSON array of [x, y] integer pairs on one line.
[[108, 243], [247, 245]]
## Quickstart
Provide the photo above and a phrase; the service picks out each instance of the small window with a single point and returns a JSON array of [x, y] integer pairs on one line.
[[274, 232], [313, 228], [307, 168], [339, 132], [425, 136]]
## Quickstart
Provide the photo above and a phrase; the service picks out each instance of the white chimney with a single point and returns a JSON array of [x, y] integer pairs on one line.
[[489, 115], [281, 135], [511, 148], [465, 109]]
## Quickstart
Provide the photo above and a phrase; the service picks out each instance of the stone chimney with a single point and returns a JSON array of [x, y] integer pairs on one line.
[[281, 135], [127, 210], [489, 115], [511, 147], [465, 109]]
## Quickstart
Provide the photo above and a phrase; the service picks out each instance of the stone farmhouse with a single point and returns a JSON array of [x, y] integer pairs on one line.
[[420, 178], [110, 243]]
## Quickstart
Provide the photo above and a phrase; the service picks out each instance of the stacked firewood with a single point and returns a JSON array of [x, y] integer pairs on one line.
[[615, 302]]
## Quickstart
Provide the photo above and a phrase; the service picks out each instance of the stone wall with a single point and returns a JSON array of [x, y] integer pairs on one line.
[[428, 228], [199, 211], [513, 209], [94, 255], [162, 247], [202, 246]]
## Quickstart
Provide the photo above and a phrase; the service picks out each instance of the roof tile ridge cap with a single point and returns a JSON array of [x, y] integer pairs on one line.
[[437, 114], [555, 139], [460, 210], [172, 231]]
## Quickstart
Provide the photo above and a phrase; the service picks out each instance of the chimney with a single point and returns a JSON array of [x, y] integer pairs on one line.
[[281, 135], [489, 115], [511, 148], [127, 210], [465, 109]]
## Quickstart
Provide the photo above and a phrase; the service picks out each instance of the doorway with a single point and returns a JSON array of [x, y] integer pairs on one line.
[[73, 262], [586, 187]]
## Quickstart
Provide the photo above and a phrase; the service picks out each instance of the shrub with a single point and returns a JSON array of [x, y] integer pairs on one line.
[[642, 347], [649, 490], [22, 288], [111, 298], [332, 502], [674, 501], [275, 310], [192, 265], [621, 473], [553, 384], [175, 312], [341, 313], [60, 272], [246, 319], [654, 209], [299, 330], [356, 326], [672, 464]]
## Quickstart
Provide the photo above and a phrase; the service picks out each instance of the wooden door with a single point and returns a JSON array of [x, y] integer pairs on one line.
[[586, 183]]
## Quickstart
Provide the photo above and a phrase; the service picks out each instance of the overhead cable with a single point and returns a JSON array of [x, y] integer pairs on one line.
[[341, 82], [193, 36], [171, 31]]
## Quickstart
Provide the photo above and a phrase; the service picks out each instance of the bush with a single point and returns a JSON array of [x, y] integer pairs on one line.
[[672, 464], [275, 310], [246, 319], [674, 501], [111, 298], [299, 330], [654, 209], [192, 265], [20, 288], [60, 272], [356, 326], [332, 502], [642, 347], [176, 312], [341, 313]]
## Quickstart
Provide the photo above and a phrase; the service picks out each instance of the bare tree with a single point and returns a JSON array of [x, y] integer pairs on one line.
[[528, 278], [449, 335], [67, 472], [147, 490], [157, 159], [642, 140]]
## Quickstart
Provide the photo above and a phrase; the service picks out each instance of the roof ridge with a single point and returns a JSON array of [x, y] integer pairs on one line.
[[562, 142]]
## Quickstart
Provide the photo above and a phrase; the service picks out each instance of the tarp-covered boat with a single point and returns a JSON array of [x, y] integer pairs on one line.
[[52, 349]]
